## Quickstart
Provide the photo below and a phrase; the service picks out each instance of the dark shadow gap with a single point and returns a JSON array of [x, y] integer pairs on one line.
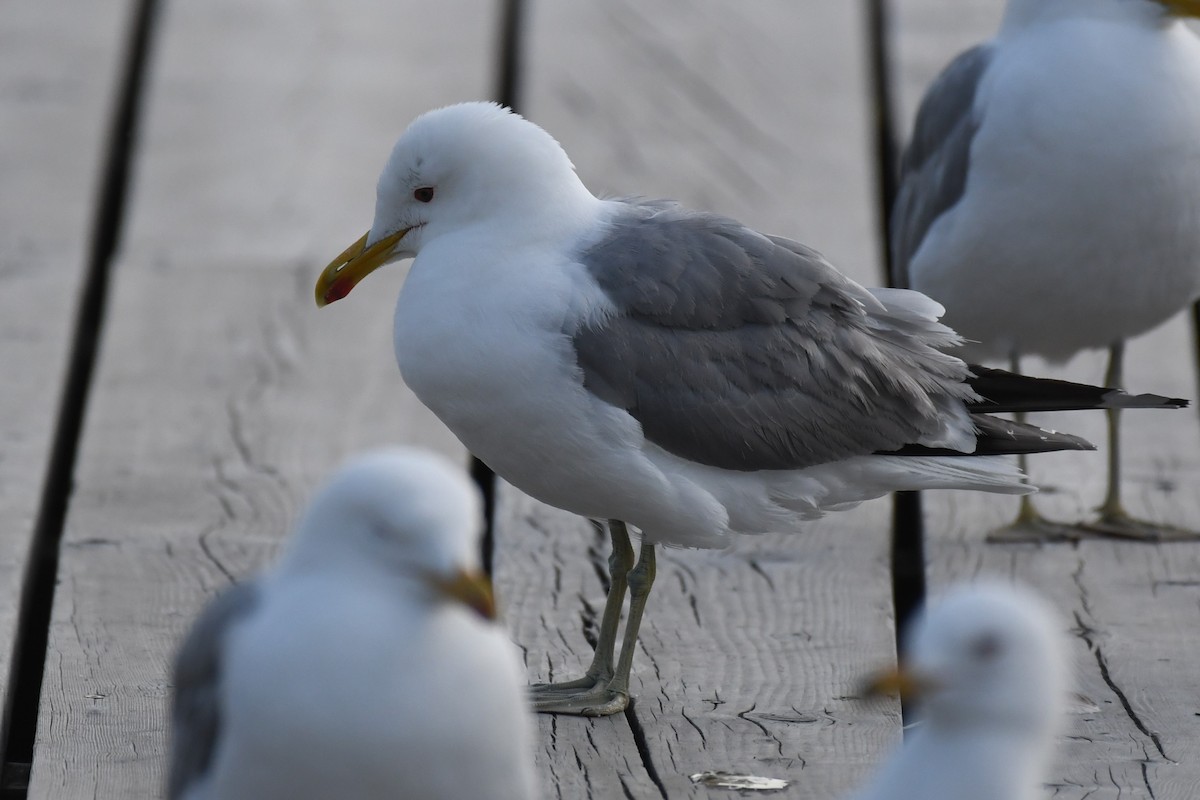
[[486, 480], [886, 137], [908, 521], [508, 78], [29, 655], [508, 65], [1196, 345], [643, 747]]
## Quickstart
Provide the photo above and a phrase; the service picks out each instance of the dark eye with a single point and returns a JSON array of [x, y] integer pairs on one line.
[[423, 194], [986, 647]]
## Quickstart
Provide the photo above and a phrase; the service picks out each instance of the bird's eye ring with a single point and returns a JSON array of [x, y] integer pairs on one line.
[[423, 194]]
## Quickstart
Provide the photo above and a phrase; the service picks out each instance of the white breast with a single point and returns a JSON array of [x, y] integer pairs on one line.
[[487, 346]]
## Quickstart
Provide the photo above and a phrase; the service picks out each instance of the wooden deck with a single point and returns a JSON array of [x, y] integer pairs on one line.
[[192, 197]]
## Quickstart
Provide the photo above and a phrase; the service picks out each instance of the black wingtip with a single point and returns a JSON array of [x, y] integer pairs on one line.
[[995, 436], [1115, 398], [1007, 391], [1004, 437]]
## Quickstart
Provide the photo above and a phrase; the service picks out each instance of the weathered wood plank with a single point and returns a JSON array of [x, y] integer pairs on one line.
[[764, 647], [60, 67], [222, 393], [1129, 605], [747, 657], [762, 115]]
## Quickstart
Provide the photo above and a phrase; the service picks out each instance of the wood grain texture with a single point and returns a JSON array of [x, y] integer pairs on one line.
[[1131, 608], [760, 113], [754, 659], [59, 66], [748, 657], [222, 394]]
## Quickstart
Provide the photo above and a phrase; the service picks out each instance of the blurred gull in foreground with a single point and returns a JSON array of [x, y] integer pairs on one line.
[[364, 665], [1050, 196], [664, 368], [987, 667]]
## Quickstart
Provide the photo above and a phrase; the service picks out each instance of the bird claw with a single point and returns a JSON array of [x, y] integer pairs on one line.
[[585, 697], [1037, 529], [1122, 526]]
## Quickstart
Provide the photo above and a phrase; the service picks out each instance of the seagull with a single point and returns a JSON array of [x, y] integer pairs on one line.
[[668, 369], [365, 665], [988, 671], [1050, 194]]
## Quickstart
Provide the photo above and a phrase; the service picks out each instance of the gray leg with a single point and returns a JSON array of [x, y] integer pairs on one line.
[[600, 671], [1029, 525], [641, 579], [1114, 521], [1026, 514], [604, 690]]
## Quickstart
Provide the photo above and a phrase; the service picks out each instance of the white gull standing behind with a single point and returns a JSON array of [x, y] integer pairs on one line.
[[665, 368], [1050, 195]]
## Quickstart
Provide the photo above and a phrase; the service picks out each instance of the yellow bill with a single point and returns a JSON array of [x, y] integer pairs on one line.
[[472, 589], [353, 264], [1183, 8], [898, 680]]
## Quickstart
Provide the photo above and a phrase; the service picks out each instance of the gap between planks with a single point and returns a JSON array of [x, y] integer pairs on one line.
[[508, 71], [38, 583]]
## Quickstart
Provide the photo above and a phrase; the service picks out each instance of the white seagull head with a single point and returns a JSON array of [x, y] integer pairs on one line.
[[453, 168], [988, 657], [406, 511]]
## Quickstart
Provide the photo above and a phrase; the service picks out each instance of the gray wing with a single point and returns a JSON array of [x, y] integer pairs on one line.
[[749, 352], [933, 170], [195, 709]]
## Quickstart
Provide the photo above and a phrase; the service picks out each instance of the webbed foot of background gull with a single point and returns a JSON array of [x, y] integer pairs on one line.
[[1031, 526], [1037, 530], [1113, 523], [584, 697], [1117, 524]]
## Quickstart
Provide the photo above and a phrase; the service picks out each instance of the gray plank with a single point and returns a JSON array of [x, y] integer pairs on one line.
[[756, 655], [760, 114], [1130, 606], [747, 657], [59, 66], [222, 393]]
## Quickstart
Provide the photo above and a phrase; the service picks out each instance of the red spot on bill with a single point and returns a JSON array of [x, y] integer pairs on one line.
[[337, 290]]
